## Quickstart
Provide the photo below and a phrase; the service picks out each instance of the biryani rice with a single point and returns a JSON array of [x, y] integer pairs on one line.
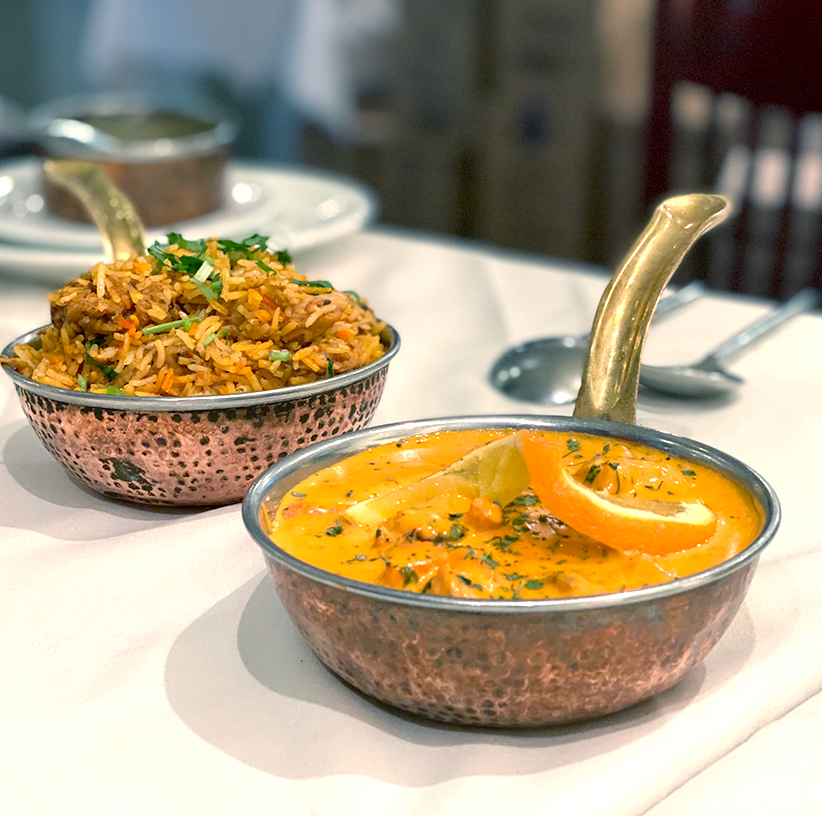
[[252, 324]]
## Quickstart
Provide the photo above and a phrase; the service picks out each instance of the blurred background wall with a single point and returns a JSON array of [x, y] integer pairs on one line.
[[516, 122]]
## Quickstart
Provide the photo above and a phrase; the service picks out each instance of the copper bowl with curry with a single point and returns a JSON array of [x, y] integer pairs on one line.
[[536, 625]]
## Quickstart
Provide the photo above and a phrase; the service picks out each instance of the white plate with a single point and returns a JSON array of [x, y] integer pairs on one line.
[[296, 208]]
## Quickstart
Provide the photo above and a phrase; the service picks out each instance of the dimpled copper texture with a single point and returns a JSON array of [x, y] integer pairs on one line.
[[516, 669], [203, 455], [507, 663]]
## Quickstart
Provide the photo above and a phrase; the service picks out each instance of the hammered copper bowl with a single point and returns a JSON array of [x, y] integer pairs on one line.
[[193, 450], [507, 663]]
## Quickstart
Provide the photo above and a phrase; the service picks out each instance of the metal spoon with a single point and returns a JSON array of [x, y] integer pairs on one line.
[[549, 370], [708, 378]]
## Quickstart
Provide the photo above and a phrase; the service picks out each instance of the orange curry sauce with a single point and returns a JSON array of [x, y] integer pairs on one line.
[[454, 546]]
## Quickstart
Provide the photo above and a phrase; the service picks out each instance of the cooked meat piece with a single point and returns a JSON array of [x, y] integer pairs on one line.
[[155, 295], [95, 315]]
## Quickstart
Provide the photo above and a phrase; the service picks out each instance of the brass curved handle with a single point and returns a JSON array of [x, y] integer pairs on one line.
[[113, 213], [611, 377]]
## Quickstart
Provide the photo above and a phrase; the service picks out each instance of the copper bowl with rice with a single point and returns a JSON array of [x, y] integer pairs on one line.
[[166, 382]]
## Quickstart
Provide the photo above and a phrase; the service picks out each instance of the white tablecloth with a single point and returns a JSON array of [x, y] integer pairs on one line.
[[146, 665]]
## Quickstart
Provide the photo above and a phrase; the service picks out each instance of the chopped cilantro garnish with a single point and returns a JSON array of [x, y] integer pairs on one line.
[[534, 584], [209, 291], [525, 500], [335, 530], [504, 542], [264, 266], [490, 561], [187, 264], [114, 390], [283, 256], [315, 284], [409, 576], [592, 473], [689, 473], [329, 371], [107, 370], [456, 532], [244, 247], [573, 445], [192, 246], [469, 582]]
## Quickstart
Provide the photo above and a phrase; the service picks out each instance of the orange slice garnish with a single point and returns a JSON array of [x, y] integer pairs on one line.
[[628, 524]]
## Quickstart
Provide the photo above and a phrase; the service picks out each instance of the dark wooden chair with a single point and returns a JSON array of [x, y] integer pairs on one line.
[[736, 107]]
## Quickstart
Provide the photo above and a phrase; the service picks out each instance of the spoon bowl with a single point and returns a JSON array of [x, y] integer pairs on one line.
[[548, 371], [708, 377]]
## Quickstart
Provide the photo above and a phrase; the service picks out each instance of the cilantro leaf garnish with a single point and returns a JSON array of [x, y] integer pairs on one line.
[[316, 284], [192, 246]]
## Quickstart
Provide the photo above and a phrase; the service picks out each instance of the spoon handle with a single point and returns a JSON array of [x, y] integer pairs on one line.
[[801, 302], [120, 227], [682, 297]]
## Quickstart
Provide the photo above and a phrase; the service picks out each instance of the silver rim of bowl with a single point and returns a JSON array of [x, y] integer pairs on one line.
[[297, 466], [200, 403]]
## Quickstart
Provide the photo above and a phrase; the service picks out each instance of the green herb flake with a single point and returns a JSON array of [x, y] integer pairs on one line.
[[409, 576], [107, 370], [283, 256], [525, 500], [457, 531], [490, 561], [114, 390], [242, 249], [192, 246], [534, 584], [335, 530], [573, 445], [82, 382], [315, 284], [469, 582], [279, 354], [264, 266], [209, 291], [592, 473], [689, 473], [184, 323], [504, 542], [329, 371]]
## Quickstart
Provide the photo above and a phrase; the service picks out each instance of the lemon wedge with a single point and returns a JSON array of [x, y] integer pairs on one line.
[[496, 470], [627, 524]]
